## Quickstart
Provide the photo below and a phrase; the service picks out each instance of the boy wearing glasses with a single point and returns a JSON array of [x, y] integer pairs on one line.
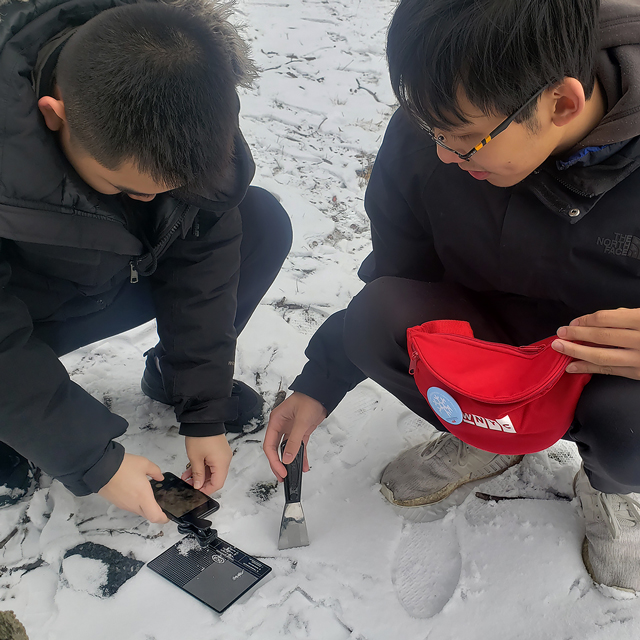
[[124, 196], [505, 194]]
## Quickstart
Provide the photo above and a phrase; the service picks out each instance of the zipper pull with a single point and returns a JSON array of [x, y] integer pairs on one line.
[[414, 362], [134, 273]]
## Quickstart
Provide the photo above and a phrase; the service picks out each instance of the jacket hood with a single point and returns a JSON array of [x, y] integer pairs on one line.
[[618, 70], [611, 151], [30, 37]]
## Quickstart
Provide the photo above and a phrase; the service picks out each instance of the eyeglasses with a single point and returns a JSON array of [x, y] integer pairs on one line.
[[499, 129]]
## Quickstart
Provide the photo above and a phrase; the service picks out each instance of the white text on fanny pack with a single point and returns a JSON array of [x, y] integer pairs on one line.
[[501, 424]]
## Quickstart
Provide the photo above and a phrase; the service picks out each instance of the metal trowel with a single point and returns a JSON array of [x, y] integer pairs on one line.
[[293, 530]]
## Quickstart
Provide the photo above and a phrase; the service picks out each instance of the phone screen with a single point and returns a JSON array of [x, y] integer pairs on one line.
[[177, 497]]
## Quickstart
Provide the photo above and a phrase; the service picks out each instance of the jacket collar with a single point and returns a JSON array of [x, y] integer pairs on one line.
[[572, 187]]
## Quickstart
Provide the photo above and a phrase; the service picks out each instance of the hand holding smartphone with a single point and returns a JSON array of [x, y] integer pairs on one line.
[[184, 504]]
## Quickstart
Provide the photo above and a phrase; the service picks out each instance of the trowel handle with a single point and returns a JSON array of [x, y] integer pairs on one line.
[[293, 479]]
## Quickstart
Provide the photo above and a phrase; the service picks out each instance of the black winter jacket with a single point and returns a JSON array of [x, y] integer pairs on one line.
[[569, 232], [66, 251]]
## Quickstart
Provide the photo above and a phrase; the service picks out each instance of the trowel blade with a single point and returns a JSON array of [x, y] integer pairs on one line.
[[293, 530]]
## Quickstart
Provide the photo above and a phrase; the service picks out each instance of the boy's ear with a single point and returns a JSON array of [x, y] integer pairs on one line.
[[53, 112], [568, 101]]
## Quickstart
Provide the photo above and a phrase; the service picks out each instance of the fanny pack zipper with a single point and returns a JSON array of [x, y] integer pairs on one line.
[[558, 371]]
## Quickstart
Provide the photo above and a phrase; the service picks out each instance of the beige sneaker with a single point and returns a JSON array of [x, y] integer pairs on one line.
[[430, 472], [611, 548]]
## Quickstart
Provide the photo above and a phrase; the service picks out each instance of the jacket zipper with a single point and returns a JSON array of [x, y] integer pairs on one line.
[[134, 271], [97, 216], [174, 228], [573, 189], [133, 263]]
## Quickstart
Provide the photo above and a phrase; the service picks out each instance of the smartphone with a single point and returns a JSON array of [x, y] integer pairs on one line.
[[180, 501]]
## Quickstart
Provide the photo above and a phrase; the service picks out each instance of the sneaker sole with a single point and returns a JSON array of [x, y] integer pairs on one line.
[[444, 492], [437, 510]]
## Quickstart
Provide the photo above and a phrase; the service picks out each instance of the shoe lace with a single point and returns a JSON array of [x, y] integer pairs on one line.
[[627, 511], [462, 450]]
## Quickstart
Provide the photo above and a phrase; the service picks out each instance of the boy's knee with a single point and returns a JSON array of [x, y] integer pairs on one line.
[[608, 413], [616, 469], [261, 210], [369, 321]]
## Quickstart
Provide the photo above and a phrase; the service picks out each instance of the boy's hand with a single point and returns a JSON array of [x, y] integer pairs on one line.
[[614, 343], [210, 458], [296, 419], [130, 489]]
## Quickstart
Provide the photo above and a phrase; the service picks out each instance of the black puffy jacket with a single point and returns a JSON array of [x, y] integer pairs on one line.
[[66, 251], [568, 233]]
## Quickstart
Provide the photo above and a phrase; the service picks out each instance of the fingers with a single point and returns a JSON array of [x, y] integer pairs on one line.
[[217, 478], [305, 461], [587, 367], [580, 366], [150, 509], [612, 361], [272, 439], [186, 476], [606, 357], [620, 318], [154, 471], [197, 473], [293, 444], [608, 336], [295, 419], [153, 514], [605, 342], [210, 458], [209, 486]]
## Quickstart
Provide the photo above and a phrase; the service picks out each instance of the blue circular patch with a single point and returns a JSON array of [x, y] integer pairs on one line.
[[444, 405]]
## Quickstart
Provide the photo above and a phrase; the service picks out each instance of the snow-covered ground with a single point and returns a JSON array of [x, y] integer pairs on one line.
[[502, 570]]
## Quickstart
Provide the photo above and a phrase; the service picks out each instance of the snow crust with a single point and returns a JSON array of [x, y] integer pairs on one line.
[[473, 569], [84, 574]]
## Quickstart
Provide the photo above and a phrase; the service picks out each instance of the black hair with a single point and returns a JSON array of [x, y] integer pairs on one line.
[[156, 85], [500, 53]]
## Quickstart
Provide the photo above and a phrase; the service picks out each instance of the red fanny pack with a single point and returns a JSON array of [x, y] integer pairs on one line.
[[493, 396]]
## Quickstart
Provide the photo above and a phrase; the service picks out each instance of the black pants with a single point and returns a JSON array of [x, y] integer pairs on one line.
[[606, 426], [266, 240]]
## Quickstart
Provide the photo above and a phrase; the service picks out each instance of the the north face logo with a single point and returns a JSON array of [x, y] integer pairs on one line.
[[622, 244]]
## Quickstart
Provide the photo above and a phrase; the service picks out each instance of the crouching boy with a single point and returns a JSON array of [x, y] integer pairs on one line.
[[505, 194], [124, 196]]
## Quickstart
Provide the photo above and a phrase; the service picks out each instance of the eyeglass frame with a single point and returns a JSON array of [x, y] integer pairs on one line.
[[499, 129]]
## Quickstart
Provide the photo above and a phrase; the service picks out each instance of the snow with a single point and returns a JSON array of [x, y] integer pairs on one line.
[[85, 575], [469, 568]]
